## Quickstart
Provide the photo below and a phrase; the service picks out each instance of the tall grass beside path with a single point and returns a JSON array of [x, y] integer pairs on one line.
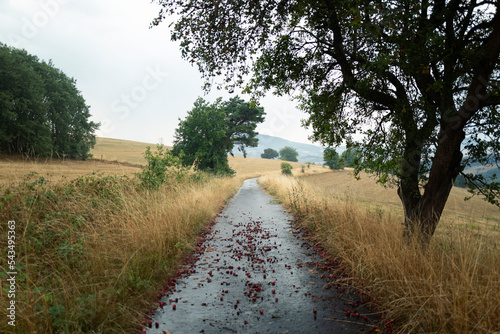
[[92, 253], [453, 286]]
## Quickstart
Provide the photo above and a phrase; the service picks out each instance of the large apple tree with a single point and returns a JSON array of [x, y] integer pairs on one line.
[[411, 85]]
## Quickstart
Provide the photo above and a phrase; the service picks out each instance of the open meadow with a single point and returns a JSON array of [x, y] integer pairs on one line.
[[122, 157], [93, 247], [450, 286], [474, 213]]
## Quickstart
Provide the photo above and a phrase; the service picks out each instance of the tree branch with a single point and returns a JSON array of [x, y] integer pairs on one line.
[[349, 78]]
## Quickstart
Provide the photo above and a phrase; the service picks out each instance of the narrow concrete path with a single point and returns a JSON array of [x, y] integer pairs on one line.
[[255, 273]]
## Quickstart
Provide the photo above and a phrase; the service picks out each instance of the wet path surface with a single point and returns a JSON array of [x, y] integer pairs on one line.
[[255, 273]]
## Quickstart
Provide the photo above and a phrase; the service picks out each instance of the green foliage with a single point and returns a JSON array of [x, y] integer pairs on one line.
[[161, 165], [211, 131], [41, 110], [487, 186], [411, 86], [269, 153], [332, 159], [55, 220], [460, 182], [286, 169], [288, 153], [349, 157]]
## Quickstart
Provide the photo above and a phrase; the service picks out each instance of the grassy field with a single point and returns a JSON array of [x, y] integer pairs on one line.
[[120, 150], [13, 169], [131, 152], [121, 157], [93, 247], [452, 286], [93, 252], [474, 213]]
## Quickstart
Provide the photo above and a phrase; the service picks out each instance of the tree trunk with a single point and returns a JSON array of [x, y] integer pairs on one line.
[[422, 213]]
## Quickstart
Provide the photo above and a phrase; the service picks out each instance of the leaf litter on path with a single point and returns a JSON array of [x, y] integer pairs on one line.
[[250, 275]]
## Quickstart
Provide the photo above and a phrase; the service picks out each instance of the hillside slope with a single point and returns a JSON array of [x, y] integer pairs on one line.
[[132, 152], [307, 152]]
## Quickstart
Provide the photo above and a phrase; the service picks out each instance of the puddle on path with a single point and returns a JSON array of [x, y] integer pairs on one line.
[[255, 273]]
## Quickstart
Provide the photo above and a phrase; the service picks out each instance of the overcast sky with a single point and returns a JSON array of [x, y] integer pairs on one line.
[[132, 77]]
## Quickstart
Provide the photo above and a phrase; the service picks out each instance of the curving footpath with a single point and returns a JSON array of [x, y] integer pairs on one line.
[[255, 273]]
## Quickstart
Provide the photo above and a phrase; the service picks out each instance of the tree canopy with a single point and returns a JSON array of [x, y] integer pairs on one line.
[[41, 110], [288, 153], [269, 153], [332, 158], [349, 157], [418, 80], [212, 130]]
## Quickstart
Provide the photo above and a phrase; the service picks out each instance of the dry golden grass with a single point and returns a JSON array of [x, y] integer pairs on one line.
[[366, 193], [13, 169], [122, 157], [452, 286], [98, 245], [93, 253], [130, 151], [120, 150], [244, 166]]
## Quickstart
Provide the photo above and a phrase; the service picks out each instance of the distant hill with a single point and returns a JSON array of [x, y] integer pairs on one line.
[[307, 152], [489, 170]]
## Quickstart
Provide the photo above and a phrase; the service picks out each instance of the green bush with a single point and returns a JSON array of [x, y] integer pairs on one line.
[[286, 168], [162, 165]]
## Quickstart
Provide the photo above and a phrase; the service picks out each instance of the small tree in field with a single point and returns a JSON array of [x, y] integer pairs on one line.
[[289, 154], [212, 130], [269, 153], [332, 159], [286, 169]]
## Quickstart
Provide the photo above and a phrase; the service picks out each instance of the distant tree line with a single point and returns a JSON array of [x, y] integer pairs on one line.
[[287, 153], [42, 113]]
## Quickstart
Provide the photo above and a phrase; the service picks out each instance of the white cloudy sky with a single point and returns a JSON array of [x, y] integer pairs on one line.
[[132, 77]]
